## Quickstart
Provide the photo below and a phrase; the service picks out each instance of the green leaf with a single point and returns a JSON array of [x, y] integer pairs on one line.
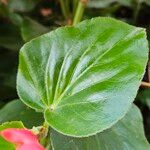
[[16, 110], [86, 77], [31, 29], [100, 3], [144, 97], [12, 124], [147, 2], [128, 134], [108, 3], [10, 37], [22, 5], [4, 145], [16, 19]]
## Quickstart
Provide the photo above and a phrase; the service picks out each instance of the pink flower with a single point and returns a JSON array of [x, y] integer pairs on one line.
[[23, 139]]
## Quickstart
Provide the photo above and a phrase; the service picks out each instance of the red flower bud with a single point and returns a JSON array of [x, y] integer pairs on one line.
[[23, 139]]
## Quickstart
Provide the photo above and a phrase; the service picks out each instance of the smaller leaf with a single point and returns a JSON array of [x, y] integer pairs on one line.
[[128, 134], [12, 124]]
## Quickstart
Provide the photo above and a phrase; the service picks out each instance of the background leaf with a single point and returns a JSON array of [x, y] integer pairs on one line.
[[16, 110], [105, 4], [10, 37], [126, 134], [144, 97], [31, 29], [22, 5]]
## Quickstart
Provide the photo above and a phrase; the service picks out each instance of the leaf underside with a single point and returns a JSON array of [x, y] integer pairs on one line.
[[84, 77]]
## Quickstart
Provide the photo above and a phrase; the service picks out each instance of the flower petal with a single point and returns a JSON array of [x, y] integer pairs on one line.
[[24, 139], [35, 146], [19, 135]]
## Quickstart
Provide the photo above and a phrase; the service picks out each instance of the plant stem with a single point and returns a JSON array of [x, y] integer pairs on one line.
[[64, 9], [49, 144], [44, 134], [136, 12], [79, 11], [68, 8], [145, 84], [75, 3]]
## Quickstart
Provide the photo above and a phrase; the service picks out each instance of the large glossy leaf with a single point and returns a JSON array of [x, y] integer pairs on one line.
[[4, 145], [84, 77], [16, 110], [127, 134]]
